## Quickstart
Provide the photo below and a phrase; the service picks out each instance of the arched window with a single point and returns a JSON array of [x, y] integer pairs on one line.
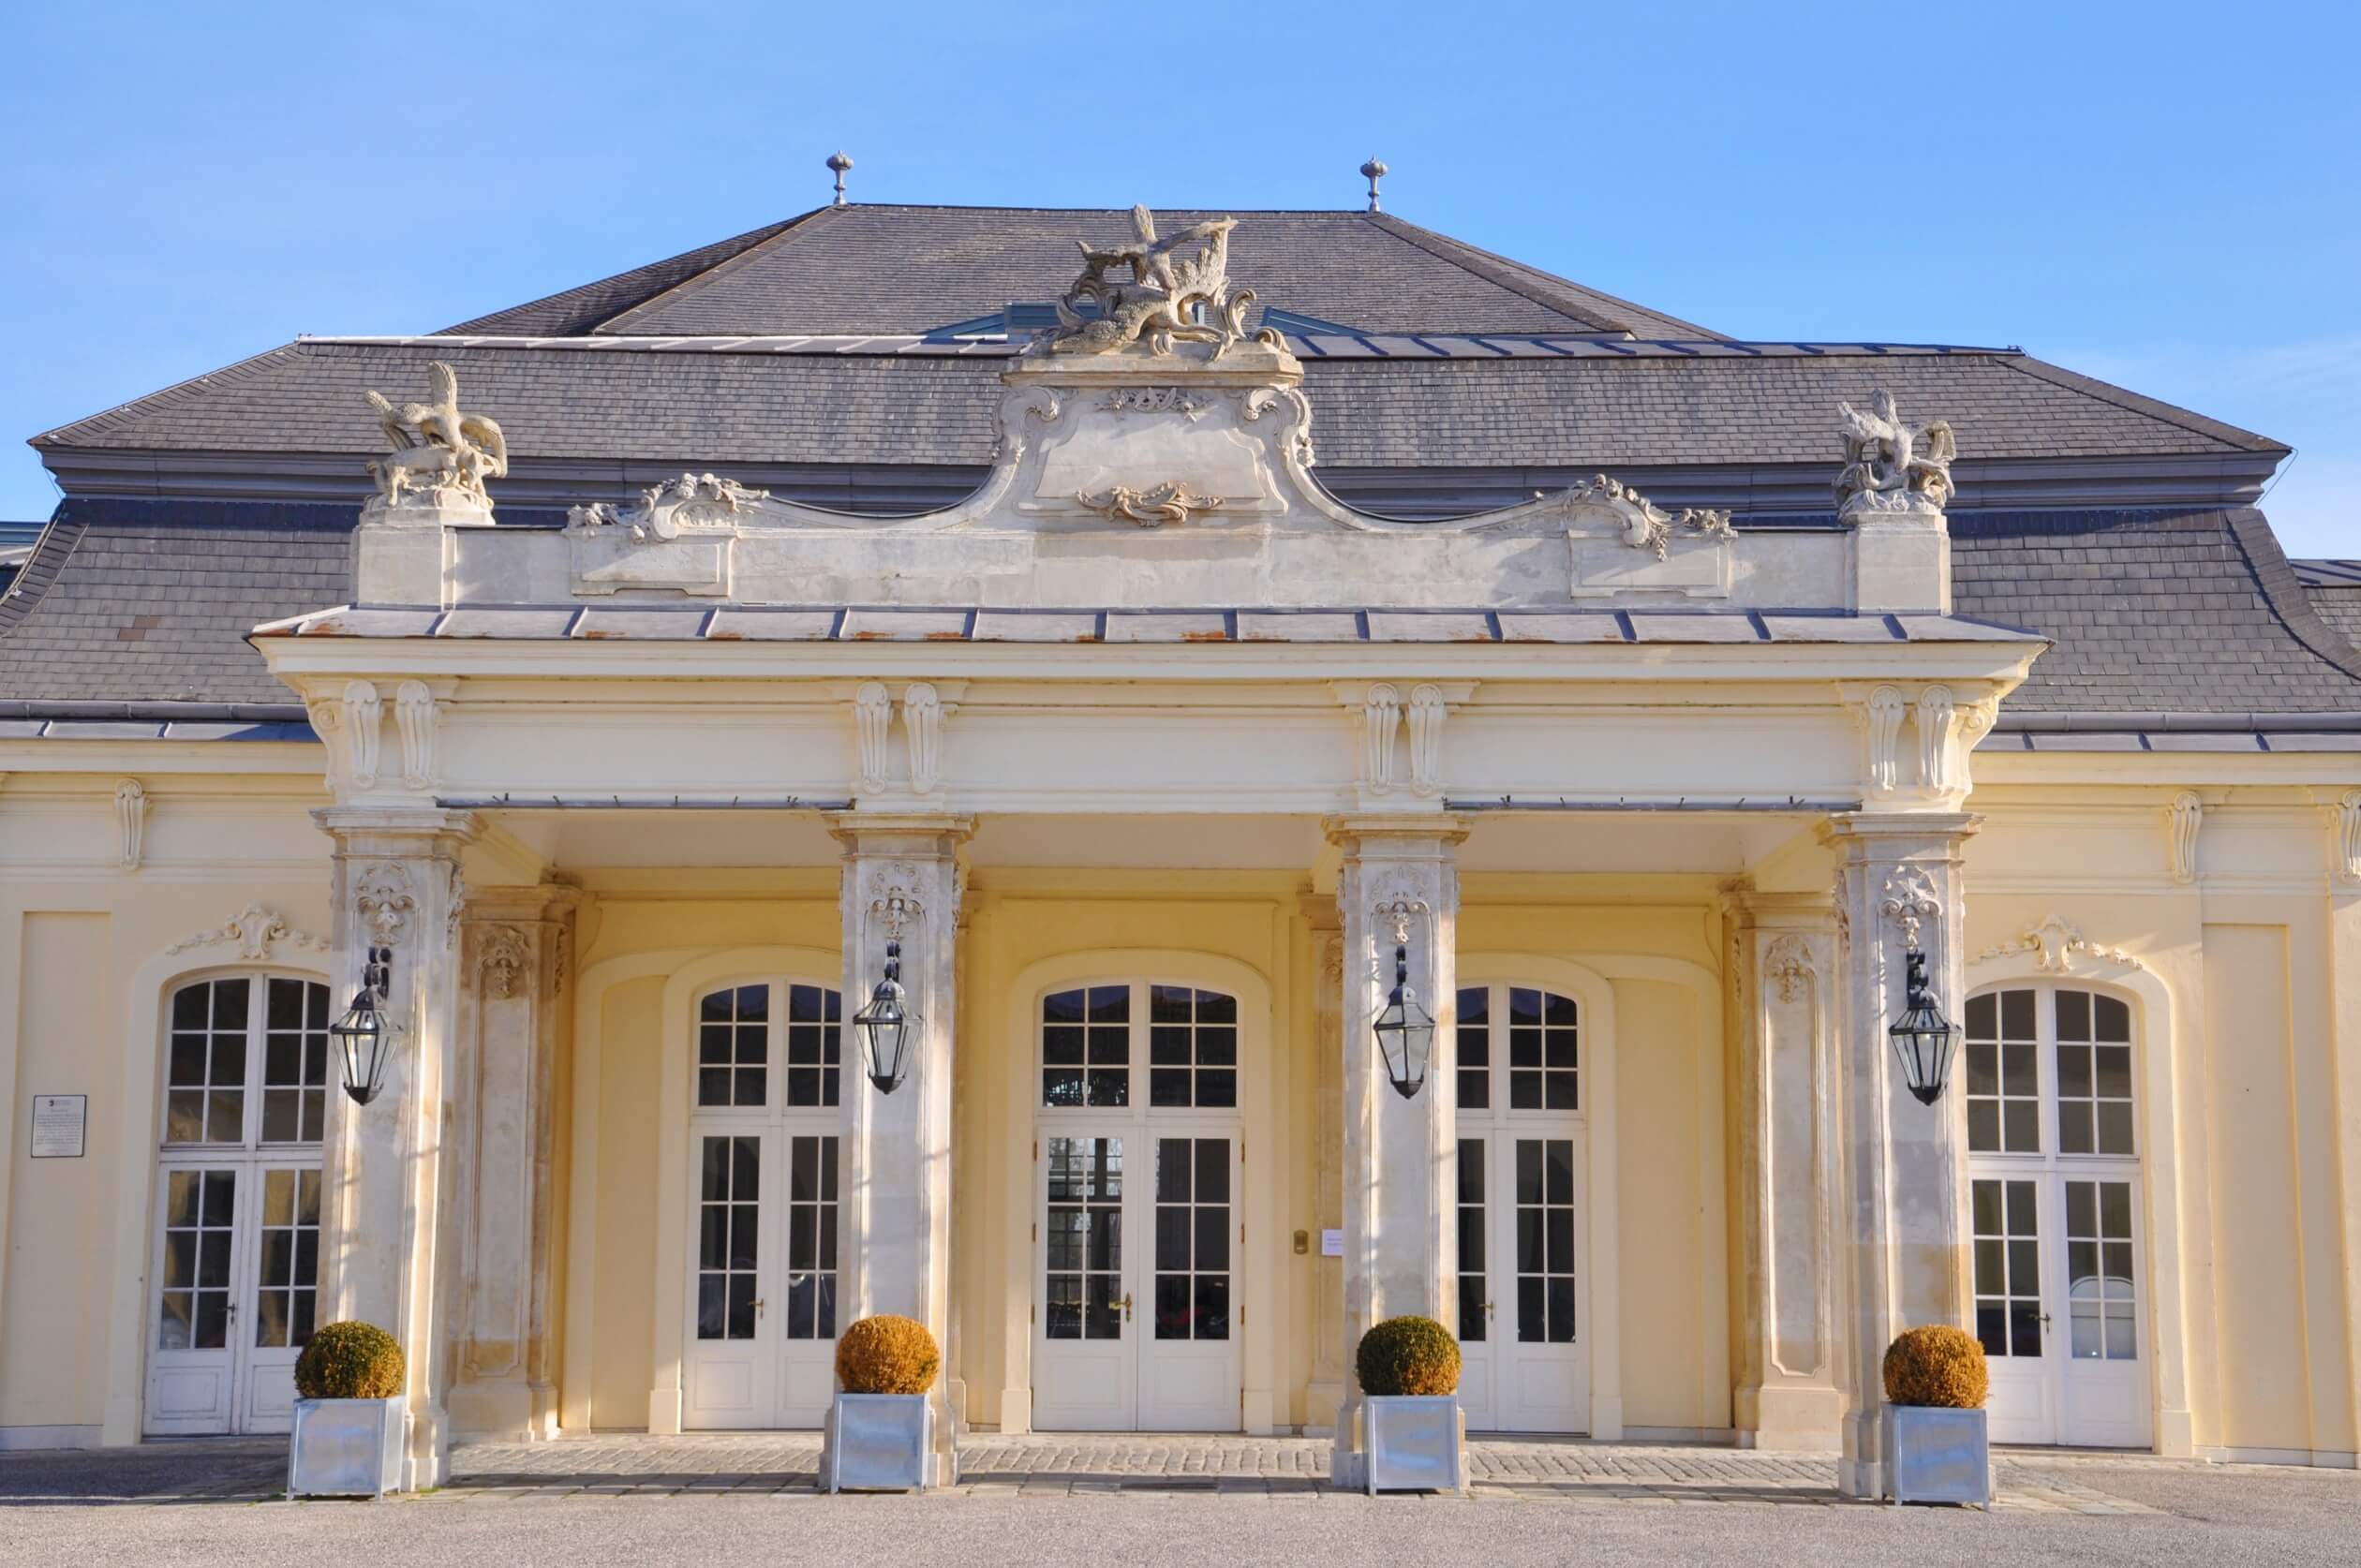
[[237, 1263], [2051, 1095]]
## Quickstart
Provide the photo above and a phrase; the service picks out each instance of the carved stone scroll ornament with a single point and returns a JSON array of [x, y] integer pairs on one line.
[[436, 455], [414, 716], [1886, 707], [1427, 712], [2182, 820], [1935, 711], [2349, 836], [1891, 465], [507, 956], [690, 504], [873, 722], [2056, 942], [381, 897], [130, 800], [1176, 288], [253, 929], [1646, 526], [1156, 400], [1150, 509], [363, 726], [1381, 717], [922, 725], [1788, 964]]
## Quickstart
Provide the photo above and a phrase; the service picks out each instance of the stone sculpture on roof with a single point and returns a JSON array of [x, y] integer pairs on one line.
[[1891, 464], [691, 501], [1177, 289], [437, 455]]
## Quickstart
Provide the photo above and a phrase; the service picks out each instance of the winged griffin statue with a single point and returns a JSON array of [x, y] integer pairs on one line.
[[1177, 288], [435, 454], [1891, 464]]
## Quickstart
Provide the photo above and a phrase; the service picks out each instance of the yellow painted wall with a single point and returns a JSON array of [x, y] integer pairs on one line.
[[621, 1336], [53, 1320]]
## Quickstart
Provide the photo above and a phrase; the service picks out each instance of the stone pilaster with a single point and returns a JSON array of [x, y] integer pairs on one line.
[[512, 953], [1788, 974], [1400, 876], [1902, 1259], [900, 883], [385, 1239]]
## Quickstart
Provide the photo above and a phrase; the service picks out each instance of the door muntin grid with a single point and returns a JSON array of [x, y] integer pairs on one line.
[[753, 1054], [286, 1268], [1083, 1230], [1475, 1289], [196, 1302], [1192, 1291], [2006, 1236], [812, 1238], [2101, 1272], [2003, 1077], [1544, 1241], [1191, 1049], [1086, 1046], [729, 1236]]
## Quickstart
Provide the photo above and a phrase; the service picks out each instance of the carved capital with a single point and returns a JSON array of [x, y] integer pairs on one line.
[[505, 956], [1788, 963]]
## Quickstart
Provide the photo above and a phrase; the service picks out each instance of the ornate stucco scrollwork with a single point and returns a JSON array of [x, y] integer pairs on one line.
[[894, 901], [1155, 400], [1151, 508], [253, 929], [688, 504], [381, 897], [2056, 942], [1646, 526], [1891, 465], [1911, 902], [436, 455]]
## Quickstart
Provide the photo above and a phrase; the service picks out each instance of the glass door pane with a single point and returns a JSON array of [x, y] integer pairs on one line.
[[2101, 1292], [1192, 1238], [1544, 1241], [2008, 1268], [1475, 1291], [729, 1237], [287, 1261], [812, 1238], [1083, 1295]]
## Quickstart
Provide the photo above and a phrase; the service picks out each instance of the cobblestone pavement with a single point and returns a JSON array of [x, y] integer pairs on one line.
[[635, 1464]]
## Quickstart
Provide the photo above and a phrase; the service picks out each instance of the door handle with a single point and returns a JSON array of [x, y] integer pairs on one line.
[[1488, 1311], [2045, 1322], [1127, 1306], [758, 1306]]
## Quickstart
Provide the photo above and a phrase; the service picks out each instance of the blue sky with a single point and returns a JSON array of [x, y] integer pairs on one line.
[[2166, 195]]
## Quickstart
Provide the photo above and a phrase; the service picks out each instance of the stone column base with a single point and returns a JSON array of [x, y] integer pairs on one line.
[[1789, 1418]]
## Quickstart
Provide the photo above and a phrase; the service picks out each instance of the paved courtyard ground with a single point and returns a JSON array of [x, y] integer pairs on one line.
[[713, 1500]]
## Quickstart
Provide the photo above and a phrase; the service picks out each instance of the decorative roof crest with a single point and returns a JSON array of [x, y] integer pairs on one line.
[[1179, 288], [691, 502]]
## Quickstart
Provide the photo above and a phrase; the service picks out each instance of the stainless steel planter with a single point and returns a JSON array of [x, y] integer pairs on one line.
[[1413, 1443], [879, 1443], [346, 1447], [1936, 1456]]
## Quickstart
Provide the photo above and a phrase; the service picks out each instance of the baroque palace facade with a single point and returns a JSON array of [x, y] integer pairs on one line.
[[1148, 660]]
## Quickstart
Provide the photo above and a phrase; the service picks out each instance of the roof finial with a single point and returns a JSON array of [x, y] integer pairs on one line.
[[839, 163], [1373, 170]]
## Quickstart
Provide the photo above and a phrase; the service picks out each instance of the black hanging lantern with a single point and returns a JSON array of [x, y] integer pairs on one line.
[[368, 1032], [886, 1026], [1923, 1037], [1405, 1031]]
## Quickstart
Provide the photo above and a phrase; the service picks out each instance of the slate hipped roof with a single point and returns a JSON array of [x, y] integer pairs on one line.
[[865, 340]]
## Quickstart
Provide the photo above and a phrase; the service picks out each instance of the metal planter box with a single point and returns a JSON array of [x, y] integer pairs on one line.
[[879, 1443], [346, 1447], [1936, 1456], [1413, 1443]]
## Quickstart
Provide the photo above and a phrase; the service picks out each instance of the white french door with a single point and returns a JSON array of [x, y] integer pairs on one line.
[[235, 1269], [2055, 1217], [1136, 1237], [762, 1314], [1524, 1229]]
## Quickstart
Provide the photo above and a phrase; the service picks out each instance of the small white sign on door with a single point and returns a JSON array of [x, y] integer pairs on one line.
[[57, 1125], [1332, 1244]]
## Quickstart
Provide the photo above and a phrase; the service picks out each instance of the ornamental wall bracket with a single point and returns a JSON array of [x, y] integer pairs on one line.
[[2182, 820], [363, 725], [1150, 509], [2055, 943], [415, 715], [131, 798], [2349, 836], [923, 711], [1381, 719], [872, 723], [1397, 912], [253, 929]]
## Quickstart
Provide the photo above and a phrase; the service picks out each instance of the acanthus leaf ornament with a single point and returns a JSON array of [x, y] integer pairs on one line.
[[1150, 509], [1646, 526], [2056, 942], [254, 930], [1788, 963], [507, 955], [382, 899]]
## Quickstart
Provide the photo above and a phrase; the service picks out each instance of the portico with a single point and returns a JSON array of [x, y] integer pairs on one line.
[[1146, 759]]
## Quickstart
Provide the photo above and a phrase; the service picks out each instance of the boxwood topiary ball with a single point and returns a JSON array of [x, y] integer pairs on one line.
[[1408, 1356], [349, 1361], [1937, 1365], [887, 1355]]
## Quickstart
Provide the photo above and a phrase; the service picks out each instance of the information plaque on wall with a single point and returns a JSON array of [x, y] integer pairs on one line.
[[58, 1120]]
